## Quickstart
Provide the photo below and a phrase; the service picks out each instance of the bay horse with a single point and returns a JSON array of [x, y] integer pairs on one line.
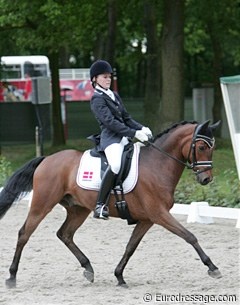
[[161, 163]]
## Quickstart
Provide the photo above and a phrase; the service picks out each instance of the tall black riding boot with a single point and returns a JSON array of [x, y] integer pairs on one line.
[[101, 210]]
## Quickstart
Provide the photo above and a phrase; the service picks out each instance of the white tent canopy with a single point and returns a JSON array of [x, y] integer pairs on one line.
[[231, 96]]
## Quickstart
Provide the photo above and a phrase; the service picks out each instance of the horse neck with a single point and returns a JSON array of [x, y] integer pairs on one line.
[[174, 143]]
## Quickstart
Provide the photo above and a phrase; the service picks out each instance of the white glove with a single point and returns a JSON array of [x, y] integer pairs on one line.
[[147, 131], [141, 136]]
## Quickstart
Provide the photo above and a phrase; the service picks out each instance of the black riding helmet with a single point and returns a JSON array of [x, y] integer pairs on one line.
[[100, 67]]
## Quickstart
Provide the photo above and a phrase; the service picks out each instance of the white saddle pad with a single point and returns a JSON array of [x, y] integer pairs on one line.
[[88, 176]]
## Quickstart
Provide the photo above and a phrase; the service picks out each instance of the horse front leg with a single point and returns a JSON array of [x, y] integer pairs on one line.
[[166, 220], [139, 231], [76, 215]]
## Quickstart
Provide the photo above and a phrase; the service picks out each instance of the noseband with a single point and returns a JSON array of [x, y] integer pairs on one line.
[[192, 152]]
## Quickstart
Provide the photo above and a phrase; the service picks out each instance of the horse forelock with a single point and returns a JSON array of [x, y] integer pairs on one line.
[[172, 127]]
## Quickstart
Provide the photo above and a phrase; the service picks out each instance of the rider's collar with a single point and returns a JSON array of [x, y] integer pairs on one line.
[[106, 91]]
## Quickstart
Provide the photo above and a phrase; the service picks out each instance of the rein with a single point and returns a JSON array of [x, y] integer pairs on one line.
[[208, 164], [186, 164]]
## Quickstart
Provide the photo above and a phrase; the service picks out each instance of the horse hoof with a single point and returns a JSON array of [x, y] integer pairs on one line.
[[10, 283], [89, 276], [215, 274], [124, 285]]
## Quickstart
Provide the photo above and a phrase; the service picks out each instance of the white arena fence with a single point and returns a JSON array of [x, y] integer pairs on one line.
[[196, 212], [201, 212]]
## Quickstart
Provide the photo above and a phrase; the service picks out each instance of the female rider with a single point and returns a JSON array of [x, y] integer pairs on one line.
[[116, 127]]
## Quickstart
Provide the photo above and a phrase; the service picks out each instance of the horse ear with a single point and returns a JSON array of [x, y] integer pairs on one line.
[[205, 124], [215, 125], [203, 127]]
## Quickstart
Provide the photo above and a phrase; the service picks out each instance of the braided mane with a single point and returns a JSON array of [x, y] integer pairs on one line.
[[173, 127]]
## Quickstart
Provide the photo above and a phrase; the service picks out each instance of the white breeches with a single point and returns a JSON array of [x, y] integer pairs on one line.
[[114, 154]]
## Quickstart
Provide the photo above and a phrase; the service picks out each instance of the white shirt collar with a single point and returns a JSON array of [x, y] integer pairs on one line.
[[107, 91]]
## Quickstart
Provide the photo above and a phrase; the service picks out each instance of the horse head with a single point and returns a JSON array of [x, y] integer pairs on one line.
[[202, 147], [197, 146]]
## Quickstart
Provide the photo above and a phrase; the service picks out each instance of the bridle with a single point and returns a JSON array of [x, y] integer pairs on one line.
[[192, 152], [195, 163]]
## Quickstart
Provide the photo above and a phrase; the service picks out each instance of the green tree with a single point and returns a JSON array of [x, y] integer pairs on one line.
[[143, 39], [45, 27], [172, 63], [212, 30], [153, 64], [51, 26]]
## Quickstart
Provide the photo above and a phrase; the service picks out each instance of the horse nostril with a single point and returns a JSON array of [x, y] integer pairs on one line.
[[205, 181]]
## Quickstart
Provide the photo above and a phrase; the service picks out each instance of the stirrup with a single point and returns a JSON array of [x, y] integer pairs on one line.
[[101, 211]]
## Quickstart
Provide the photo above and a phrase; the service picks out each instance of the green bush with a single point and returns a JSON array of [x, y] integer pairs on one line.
[[220, 192], [5, 170]]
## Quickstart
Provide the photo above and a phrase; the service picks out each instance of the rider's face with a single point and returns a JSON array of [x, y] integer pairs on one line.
[[104, 80]]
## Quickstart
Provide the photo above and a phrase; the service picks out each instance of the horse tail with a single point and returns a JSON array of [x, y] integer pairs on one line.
[[20, 182]]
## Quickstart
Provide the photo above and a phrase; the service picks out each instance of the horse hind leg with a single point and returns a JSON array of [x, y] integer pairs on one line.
[[35, 216], [76, 215], [170, 223]]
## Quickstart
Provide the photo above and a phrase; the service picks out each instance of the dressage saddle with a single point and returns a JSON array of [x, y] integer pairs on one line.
[[120, 204]]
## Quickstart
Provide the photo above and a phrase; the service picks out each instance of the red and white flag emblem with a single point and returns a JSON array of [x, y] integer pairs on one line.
[[87, 175]]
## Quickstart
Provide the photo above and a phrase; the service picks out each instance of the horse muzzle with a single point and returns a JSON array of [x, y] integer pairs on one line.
[[204, 177]]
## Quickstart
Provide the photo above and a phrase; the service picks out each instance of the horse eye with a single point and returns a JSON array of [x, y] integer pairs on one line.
[[201, 148]]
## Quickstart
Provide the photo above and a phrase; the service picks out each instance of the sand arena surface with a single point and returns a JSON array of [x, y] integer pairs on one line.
[[163, 270]]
